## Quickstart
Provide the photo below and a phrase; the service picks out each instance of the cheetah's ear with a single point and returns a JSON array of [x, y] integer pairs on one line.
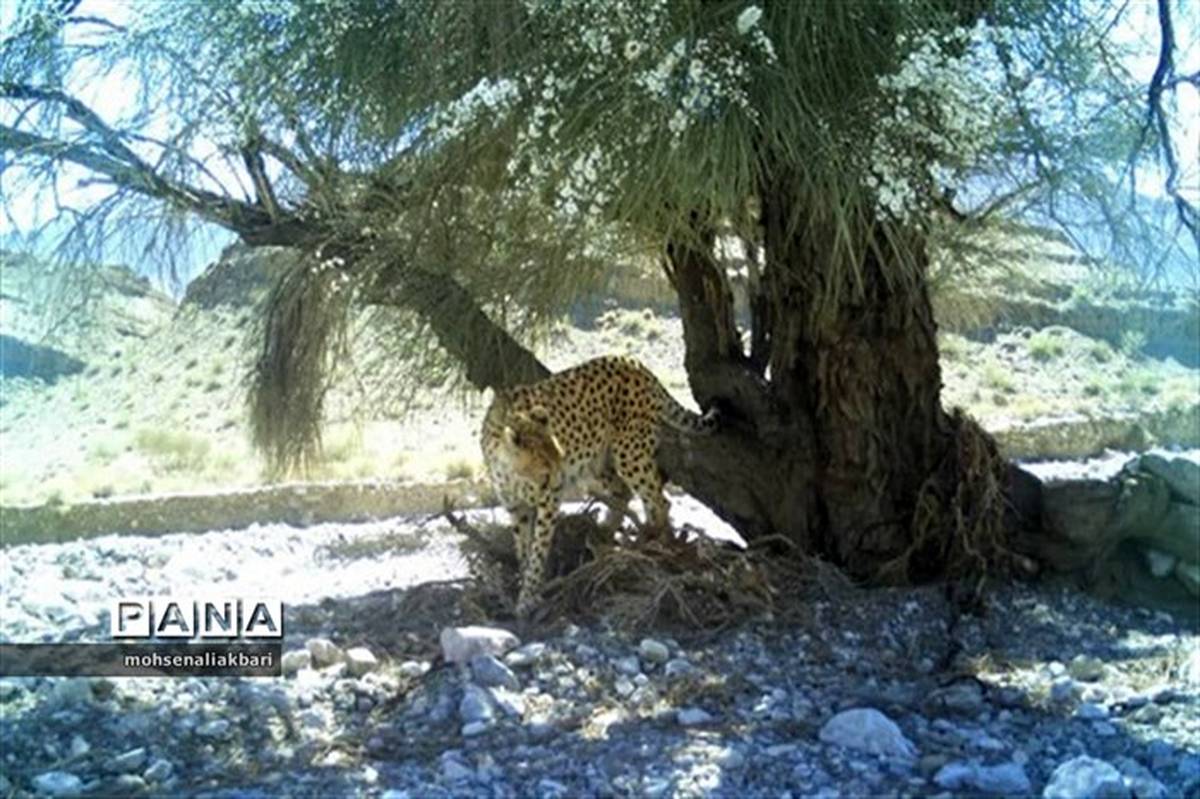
[[540, 415]]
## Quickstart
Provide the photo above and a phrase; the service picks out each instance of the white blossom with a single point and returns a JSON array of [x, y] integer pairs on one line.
[[748, 19]]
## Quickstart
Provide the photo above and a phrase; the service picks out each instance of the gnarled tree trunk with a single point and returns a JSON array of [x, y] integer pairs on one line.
[[837, 440]]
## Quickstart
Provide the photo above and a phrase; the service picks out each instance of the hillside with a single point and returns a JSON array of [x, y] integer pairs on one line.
[[157, 401]]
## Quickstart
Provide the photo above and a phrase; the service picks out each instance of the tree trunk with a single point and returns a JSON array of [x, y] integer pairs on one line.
[[842, 444]]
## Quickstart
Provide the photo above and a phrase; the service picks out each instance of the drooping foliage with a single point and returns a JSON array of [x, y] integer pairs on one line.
[[522, 149]]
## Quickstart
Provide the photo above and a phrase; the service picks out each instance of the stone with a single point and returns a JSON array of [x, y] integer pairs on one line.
[[476, 705], [454, 770], [473, 728], [79, 746], [130, 784], [1085, 777], [217, 728], [678, 667], [360, 661], [324, 652], [58, 783], [867, 730], [1181, 475], [158, 771], [963, 698], [654, 787], [127, 761], [629, 666], [1065, 690], [395, 793], [1086, 668], [551, 789], [692, 716], [1003, 779], [729, 758], [652, 651], [9, 690], [460, 644], [1090, 711], [294, 660], [70, 691], [525, 656], [510, 702], [490, 671], [1159, 563], [623, 687], [413, 669]]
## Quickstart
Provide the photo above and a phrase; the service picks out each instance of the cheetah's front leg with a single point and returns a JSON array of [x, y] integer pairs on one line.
[[537, 552]]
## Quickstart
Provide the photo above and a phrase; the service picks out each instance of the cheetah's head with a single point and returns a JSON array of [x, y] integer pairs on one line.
[[530, 448]]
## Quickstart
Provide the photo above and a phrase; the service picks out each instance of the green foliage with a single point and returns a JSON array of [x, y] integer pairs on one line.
[[175, 451], [999, 376], [1045, 345], [531, 151]]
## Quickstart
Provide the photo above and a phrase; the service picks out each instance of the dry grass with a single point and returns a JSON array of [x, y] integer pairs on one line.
[[641, 583]]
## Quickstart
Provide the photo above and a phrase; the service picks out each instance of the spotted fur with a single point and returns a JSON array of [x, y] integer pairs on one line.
[[594, 426]]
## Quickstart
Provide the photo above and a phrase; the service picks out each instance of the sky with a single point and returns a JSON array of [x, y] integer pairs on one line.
[[110, 96]]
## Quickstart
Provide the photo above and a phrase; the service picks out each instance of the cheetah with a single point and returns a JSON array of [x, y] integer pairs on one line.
[[593, 426]]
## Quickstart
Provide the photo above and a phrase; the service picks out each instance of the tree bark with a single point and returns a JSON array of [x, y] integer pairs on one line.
[[843, 446]]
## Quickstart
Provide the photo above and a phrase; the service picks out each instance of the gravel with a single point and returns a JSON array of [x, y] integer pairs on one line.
[[399, 689]]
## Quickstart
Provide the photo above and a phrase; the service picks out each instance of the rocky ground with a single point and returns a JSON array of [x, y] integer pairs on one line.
[[861, 693]]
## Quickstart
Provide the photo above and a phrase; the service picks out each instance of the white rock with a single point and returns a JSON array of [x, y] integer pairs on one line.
[[730, 758], [158, 771], [1090, 711], [324, 652], [460, 644], [454, 770], [58, 783], [395, 793], [525, 656], [1085, 777], [629, 666], [1086, 668], [867, 730], [413, 669], [511, 702], [1004, 779], [652, 651], [488, 670], [79, 746], [692, 716], [360, 661], [678, 667], [127, 761], [1159, 563], [473, 728], [217, 728], [294, 660], [623, 687], [476, 705]]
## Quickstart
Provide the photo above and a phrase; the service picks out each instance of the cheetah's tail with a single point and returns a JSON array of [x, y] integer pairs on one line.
[[683, 419]]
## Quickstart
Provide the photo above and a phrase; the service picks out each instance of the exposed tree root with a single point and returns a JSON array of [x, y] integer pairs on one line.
[[638, 583], [958, 526]]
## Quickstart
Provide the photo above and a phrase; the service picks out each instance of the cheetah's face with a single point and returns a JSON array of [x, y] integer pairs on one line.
[[529, 447]]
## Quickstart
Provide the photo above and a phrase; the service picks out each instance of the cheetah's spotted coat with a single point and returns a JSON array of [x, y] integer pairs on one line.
[[594, 425]]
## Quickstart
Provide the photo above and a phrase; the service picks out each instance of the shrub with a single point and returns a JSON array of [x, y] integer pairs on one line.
[[1045, 347], [174, 451]]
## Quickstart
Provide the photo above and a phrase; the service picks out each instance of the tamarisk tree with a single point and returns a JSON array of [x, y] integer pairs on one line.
[[480, 166]]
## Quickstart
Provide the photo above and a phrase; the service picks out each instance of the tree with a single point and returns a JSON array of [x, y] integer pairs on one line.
[[481, 165]]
